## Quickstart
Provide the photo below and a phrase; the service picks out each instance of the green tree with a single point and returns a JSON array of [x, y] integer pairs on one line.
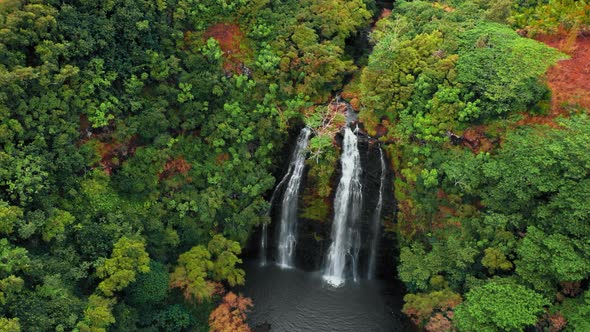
[[9, 325], [12, 259], [199, 267], [9, 216], [191, 272], [55, 225], [499, 305], [577, 312], [226, 258], [151, 287], [500, 70], [127, 260], [448, 256], [494, 259], [537, 185], [546, 260], [97, 315], [173, 318]]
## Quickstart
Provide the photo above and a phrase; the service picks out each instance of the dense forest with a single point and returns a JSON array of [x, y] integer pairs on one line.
[[141, 142]]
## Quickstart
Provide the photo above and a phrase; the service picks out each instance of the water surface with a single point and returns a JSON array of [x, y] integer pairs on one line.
[[295, 300]]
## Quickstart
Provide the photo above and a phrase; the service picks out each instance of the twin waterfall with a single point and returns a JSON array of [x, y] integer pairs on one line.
[[342, 259], [346, 238], [288, 228]]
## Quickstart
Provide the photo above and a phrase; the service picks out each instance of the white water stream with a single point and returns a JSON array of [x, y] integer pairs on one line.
[[343, 251], [288, 223]]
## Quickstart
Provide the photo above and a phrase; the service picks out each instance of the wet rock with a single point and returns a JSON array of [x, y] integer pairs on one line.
[[380, 130]]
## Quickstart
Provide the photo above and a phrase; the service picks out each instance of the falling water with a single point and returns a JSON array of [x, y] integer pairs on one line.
[[347, 208], [264, 233], [263, 242], [377, 220], [288, 229]]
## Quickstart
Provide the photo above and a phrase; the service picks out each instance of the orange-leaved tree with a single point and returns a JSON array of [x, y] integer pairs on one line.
[[230, 315]]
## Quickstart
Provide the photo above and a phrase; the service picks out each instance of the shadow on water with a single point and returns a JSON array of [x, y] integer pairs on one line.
[[294, 300]]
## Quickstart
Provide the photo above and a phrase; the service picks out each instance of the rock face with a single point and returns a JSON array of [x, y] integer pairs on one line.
[[314, 237]]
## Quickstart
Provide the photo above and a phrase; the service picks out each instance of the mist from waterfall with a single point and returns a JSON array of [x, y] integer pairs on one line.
[[288, 223], [346, 242], [376, 224]]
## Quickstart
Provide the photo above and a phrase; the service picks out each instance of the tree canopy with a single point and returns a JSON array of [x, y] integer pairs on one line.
[[140, 142]]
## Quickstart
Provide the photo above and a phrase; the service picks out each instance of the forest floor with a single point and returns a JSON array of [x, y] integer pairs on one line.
[[232, 42], [569, 80]]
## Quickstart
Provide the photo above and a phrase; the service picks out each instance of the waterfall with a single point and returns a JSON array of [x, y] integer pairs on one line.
[[264, 233], [347, 209], [263, 243], [377, 220], [288, 228]]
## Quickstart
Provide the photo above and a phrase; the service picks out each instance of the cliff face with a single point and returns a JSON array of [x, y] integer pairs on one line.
[[316, 212]]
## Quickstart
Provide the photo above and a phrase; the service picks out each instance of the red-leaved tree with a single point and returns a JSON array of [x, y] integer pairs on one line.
[[230, 315]]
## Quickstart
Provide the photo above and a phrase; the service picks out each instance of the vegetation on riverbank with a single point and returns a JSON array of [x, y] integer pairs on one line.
[[491, 177]]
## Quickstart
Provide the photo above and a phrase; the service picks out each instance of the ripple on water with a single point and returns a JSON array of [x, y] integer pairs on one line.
[[294, 300]]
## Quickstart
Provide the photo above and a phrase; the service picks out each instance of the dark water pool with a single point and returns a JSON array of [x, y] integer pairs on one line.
[[294, 300]]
